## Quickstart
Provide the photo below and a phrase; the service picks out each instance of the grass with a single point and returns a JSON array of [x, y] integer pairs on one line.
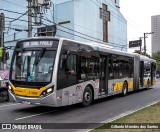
[[147, 115]]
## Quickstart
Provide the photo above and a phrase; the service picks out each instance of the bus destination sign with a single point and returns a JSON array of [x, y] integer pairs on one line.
[[37, 44]]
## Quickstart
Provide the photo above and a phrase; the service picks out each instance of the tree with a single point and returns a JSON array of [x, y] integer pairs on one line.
[[156, 56], [142, 53]]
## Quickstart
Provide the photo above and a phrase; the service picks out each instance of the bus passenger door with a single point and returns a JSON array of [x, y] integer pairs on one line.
[[103, 75], [152, 73], [141, 74]]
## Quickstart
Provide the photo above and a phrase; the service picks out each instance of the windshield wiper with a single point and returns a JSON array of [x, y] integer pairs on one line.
[[39, 56]]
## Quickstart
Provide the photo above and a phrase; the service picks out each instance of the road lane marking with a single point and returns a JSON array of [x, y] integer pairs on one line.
[[9, 105], [120, 116], [128, 113], [34, 115]]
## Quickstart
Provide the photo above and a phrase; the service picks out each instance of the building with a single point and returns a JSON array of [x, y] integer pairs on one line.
[[84, 20], [155, 27], [88, 20]]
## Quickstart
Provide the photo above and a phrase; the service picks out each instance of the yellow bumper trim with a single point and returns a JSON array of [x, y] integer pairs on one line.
[[29, 92]]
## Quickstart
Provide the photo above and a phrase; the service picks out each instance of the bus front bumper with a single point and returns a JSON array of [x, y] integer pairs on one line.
[[46, 101]]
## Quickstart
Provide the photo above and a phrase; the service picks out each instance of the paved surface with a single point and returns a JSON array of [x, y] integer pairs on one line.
[[100, 111]]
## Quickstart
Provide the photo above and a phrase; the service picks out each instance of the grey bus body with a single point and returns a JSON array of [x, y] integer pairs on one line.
[[58, 72]]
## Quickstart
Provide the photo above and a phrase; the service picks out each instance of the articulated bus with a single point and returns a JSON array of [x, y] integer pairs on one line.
[[58, 72]]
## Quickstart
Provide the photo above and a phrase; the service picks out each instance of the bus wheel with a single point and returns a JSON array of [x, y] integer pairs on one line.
[[87, 97], [125, 89]]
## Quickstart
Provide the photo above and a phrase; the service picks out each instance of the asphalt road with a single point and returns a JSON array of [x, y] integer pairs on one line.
[[101, 110]]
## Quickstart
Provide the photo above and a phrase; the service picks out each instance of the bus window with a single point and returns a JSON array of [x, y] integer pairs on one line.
[[89, 68], [67, 71], [116, 66], [24, 68], [110, 66], [120, 67], [131, 67]]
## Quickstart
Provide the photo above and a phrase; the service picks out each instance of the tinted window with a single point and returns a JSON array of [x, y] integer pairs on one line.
[[67, 70], [120, 67]]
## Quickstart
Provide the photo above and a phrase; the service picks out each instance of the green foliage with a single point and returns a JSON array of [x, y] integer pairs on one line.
[[142, 53], [1, 51], [156, 56]]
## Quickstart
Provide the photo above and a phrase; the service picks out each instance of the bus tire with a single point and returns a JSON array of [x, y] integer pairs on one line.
[[87, 97], [125, 89]]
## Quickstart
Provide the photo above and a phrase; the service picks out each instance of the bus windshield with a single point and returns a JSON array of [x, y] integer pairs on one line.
[[33, 65]]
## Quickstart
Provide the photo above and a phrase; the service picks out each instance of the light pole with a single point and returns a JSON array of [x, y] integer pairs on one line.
[[145, 36], [2, 29], [29, 18], [140, 38]]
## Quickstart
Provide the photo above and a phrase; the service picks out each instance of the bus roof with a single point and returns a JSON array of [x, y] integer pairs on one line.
[[96, 46], [102, 47]]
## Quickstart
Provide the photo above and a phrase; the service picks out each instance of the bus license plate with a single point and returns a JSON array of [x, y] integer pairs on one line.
[[26, 102]]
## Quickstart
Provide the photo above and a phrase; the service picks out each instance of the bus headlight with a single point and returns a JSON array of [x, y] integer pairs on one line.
[[50, 90], [10, 88], [47, 92]]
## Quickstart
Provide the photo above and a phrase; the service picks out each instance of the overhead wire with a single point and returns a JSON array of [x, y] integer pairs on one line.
[[61, 26], [64, 27], [100, 41], [91, 40], [74, 34], [115, 14], [13, 3], [16, 19], [87, 27], [87, 38], [72, 23], [52, 2]]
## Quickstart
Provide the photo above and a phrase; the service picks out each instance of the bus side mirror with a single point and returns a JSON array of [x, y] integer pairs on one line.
[[7, 56], [68, 53]]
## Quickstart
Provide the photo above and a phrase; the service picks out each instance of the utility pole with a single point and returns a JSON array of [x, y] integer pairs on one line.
[[145, 43], [35, 8], [145, 36], [29, 18], [2, 28], [140, 38]]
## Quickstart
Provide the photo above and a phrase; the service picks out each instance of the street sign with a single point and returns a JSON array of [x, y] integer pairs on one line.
[[135, 43]]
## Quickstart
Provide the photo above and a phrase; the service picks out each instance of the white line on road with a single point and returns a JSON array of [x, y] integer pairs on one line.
[[9, 105], [128, 112], [34, 115], [121, 115]]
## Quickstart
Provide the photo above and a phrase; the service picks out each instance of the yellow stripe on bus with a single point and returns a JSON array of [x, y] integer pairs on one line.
[[130, 84], [119, 85], [145, 82], [154, 81], [30, 92]]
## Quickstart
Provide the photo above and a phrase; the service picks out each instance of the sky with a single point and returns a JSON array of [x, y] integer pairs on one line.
[[138, 15]]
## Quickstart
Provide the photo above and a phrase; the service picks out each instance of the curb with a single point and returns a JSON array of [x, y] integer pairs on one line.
[[121, 115]]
